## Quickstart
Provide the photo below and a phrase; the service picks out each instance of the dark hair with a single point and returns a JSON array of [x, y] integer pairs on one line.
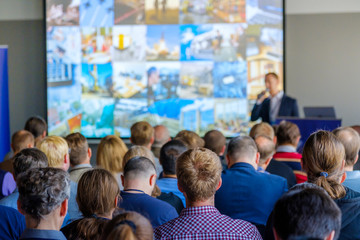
[[169, 153], [86, 229], [242, 146], [215, 141], [36, 125], [138, 167], [79, 148], [29, 158], [308, 213], [287, 132]]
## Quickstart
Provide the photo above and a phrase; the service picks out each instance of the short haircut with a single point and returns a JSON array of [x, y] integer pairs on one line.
[[242, 147], [139, 167], [42, 190], [55, 149], [138, 151], [287, 133], [190, 138], [96, 192], [141, 133], [266, 147], [215, 141], [21, 139], [110, 153], [262, 128], [351, 141], [79, 148], [169, 153], [272, 74], [29, 158], [36, 125], [198, 171], [161, 135], [308, 212]]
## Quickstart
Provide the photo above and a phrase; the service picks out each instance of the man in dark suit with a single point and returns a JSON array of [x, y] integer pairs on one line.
[[277, 104]]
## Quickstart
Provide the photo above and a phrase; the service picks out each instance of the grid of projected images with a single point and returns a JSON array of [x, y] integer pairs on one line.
[[186, 64]]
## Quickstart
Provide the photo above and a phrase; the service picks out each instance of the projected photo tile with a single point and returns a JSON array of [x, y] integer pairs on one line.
[[129, 12], [129, 43], [96, 45], [264, 12], [209, 11], [162, 11], [162, 43], [196, 80], [97, 13], [97, 117], [230, 79], [62, 12], [96, 80], [130, 80], [218, 42]]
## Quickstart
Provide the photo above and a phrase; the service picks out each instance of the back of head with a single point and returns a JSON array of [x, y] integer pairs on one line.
[[42, 190], [262, 128], [55, 149], [96, 193], [110, 153], [351, 141], [88, 228], [287, 133], [198, 171], [138, 151], [79, 148], [191, 139], [308, 212], [266, 147], [36, 125], [169, 153], [129, 226], [161, 136], [22, 139], [29, 158], [242, 148], [215, 141], [141, 133], [139, 168], [323, 156]]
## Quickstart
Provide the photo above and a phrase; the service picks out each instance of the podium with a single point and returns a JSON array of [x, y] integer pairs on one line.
[[309, 125]]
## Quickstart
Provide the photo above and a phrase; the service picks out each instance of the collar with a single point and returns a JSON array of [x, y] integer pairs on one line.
[[84, 165], [203, 210], [242, 165], [31, 233], [285, 148], [279, 95]]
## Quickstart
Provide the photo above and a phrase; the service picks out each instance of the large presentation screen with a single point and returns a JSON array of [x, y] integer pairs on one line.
[[186, 64]]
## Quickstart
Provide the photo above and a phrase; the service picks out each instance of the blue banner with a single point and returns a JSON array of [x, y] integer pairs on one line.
[[4, 104]]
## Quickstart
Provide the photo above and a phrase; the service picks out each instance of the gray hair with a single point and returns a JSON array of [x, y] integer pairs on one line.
[[29, 158], [242, 147], [42, 190]]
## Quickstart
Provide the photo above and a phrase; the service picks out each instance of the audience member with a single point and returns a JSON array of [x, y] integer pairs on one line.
[[275, 167], [110, 155], [97, 197], [216, 142], [246, 193], [324, 161], [139, 181], [169, 153], [351, 141], [161, 136], [190, 138], [199, 176], [357, 129], [80, 155], [288, 137], [26, 159], [266, 148], [12, 223], [306, 213], [43, 200], [129, 226], [38, 127], [57, 151]]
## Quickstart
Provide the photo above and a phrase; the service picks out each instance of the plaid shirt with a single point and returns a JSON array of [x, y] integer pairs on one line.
[[206, 223]]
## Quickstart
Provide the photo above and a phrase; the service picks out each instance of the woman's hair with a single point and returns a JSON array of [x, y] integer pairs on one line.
[[323, 157], [96, 193], [110, 153], [129, 226], [87, 229]]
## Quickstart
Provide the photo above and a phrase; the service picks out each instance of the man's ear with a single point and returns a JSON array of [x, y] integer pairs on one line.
[[257, 160], [19, 207], [222, 150], [275, 140], [44, 134], [227, 158], [122, 180], [268, 161], [152, 180], [89, 153], [180, 188], [64, 208], [357, 158], [331, 235], [219, 184], [30, 145], [152, 139], [116, 200]]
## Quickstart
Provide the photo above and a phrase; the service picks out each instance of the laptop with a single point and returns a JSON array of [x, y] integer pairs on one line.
[[320, 112]]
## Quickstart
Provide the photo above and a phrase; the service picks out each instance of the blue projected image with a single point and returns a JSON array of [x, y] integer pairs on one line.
[[97, 13]]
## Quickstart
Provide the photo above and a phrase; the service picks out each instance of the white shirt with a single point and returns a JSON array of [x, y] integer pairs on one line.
[[275, 103]]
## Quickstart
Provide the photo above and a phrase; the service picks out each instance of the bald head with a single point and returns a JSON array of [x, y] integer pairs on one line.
[[266, 148], [351, 141], [162, 135], [22, 139]]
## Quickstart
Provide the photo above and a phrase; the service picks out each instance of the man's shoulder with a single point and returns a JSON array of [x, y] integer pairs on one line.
[[288, 99]]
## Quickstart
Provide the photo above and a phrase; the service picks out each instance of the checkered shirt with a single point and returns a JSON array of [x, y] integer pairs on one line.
[[206, 222]]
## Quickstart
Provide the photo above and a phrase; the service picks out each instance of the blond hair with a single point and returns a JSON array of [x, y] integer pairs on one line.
[[21, 139], [55, 149], [138, 151], [262, 128], [190, 138], [110, 154], [323, 156], [141, 133], [198, 171]]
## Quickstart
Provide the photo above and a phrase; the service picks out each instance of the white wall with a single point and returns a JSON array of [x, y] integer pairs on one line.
[[21, 10], [321, 6]]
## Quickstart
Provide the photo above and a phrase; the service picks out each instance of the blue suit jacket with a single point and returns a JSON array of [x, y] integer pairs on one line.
[[288, 108], [247, 194]]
